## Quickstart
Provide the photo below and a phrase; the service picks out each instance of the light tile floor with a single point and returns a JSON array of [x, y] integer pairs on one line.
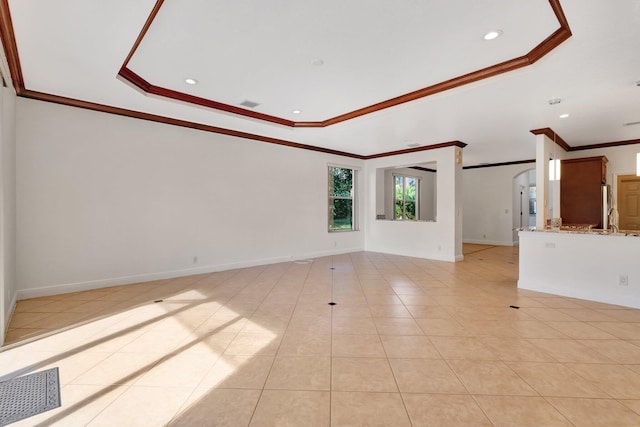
[[410, 342]]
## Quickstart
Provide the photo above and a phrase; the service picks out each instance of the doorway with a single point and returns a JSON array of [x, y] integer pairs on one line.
[[524, 201], [628, 202]]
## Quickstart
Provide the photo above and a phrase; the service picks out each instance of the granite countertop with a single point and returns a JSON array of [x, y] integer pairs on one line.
[[579, 230]]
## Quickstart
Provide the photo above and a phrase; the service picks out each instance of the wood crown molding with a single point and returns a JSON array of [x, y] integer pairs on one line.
[[549, 133], [493, 165], [7, 37], [535, 54], [552, 135]]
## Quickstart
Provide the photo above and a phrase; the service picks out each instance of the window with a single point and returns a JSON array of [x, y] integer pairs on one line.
[[342, 184], [406, 197]]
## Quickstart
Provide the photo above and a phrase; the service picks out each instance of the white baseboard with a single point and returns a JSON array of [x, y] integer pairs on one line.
[[488, 242], [7, 317], [146, 277]]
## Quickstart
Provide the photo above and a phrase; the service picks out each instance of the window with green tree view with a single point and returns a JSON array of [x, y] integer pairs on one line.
[[342, 182], [406, 197]]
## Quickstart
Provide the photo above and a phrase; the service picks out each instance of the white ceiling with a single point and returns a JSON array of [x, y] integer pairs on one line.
[[372, 50]]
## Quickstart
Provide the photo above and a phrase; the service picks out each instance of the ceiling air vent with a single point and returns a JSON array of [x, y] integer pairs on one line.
[[249, 104]]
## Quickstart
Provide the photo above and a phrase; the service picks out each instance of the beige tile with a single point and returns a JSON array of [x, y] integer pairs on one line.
[[438, 410], [302, 344], [139, 406], [75, 364], [284, 408], [368, 409], [80, 404], [21, 320], [462, 348], [491, 328], [617, 350], [351, 310], [248, 372], [616, 380], [118, 369], [555, 379], [626, 315], [587, 315], [490, 377], [389, 310], [253, 344], [508, 411], [153, 342], [548, 314], [397, 326], [310, 325], [634, 405], [383, 300], [409, 346], [220, 408], [353, 326], [425, 376], [362, 374], [429, 312], [559, 302], [20, 334], [515, 349], [419, 300], [570, 351], [596, 412], [580, 330], [622, 330], [178, 370], [300, 373], [357, 346], [536, 329], [32, 305], [443, 327], [560, 347]]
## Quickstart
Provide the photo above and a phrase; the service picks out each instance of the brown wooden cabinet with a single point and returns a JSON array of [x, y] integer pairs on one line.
[[581, 182]]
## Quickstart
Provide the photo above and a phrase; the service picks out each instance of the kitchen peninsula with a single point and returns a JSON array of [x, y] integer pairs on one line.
[[591, 265]]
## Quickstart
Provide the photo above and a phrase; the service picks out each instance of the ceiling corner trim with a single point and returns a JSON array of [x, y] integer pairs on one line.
[[543, 48], [149, 89], [416, 149], [549, 133]]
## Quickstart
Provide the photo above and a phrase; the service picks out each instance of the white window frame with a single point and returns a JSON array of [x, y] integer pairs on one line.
[[404, 200], [353, 197]]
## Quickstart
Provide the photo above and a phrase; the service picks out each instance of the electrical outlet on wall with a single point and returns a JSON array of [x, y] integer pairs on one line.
[[623, 280], [195, 259]]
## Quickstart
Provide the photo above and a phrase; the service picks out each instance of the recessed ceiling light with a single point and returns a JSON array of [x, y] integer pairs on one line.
[[564, 116], [318, 62], [493, 34], [297, 111], [413, 145], [555, 101], [190, 81]]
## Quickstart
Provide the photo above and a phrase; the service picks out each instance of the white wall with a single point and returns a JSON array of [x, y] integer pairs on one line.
[[435, 240], [103, 199], [488, 203], [7, 208], [583, 266]]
